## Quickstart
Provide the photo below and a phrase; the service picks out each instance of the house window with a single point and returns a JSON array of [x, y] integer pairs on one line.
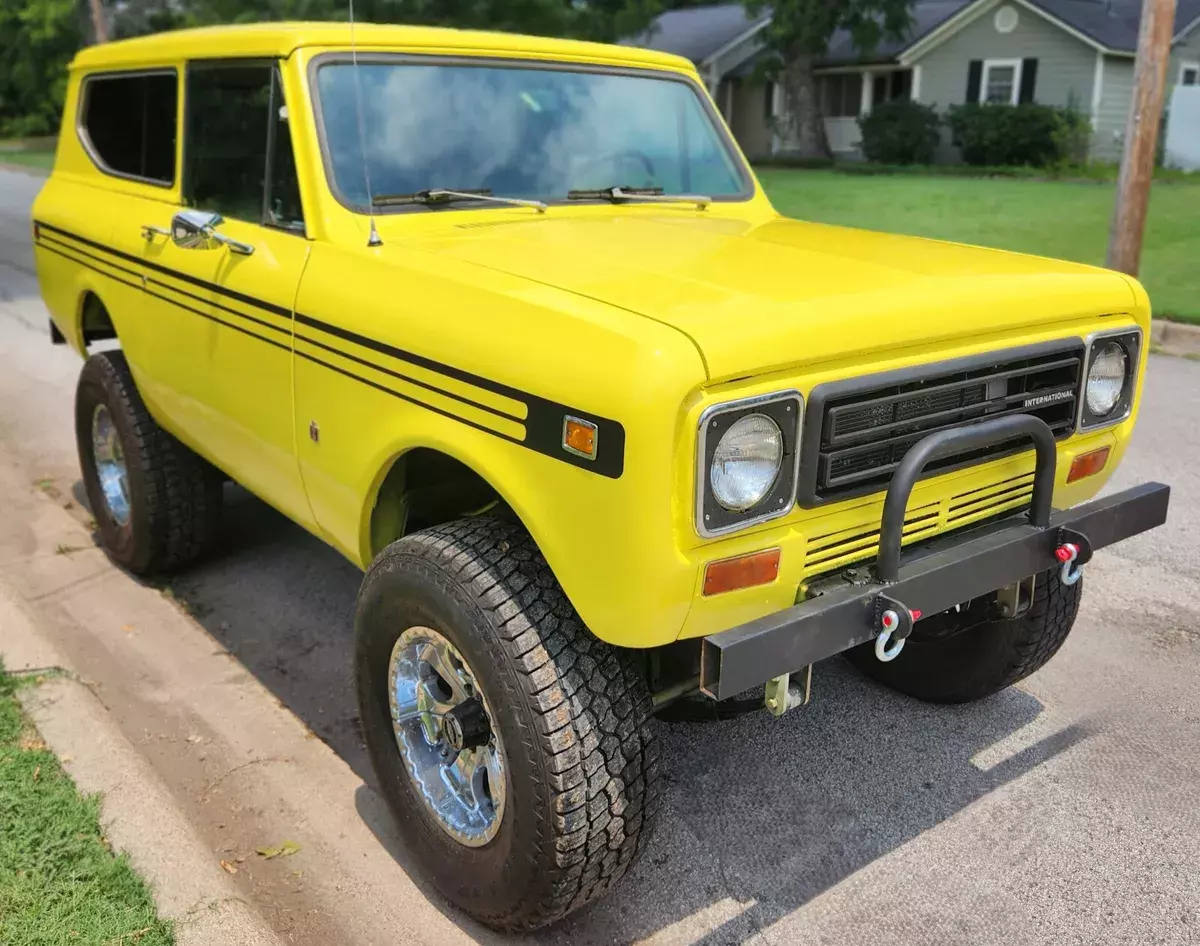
[[840, 94], [1001, 81], [1189, 73]]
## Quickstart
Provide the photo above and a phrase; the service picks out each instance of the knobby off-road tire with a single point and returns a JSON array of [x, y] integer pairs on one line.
[[573, 714], [984, 659], [174, 496]]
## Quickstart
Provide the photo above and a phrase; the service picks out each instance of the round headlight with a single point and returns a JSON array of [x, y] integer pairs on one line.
[[746, 462], [1106, 379]]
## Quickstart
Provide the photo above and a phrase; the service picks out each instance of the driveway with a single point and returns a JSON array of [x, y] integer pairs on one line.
[[1065, 810]]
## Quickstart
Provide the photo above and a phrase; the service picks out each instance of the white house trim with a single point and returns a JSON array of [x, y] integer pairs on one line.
[[1097, 89], [720, 51], [1188, 66], [915, 94], [969, 14], [1182, 34], [947, 28], [989, 65], [857, 67]]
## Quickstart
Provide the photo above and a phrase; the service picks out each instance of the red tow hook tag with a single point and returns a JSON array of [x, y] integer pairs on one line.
[[1067, 553]]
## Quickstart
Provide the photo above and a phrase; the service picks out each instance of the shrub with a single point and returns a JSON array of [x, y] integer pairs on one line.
[[1034, 135], [900, 133]]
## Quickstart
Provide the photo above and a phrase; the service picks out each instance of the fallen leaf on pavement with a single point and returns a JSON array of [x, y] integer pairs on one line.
[[286, 849], [228, 868]]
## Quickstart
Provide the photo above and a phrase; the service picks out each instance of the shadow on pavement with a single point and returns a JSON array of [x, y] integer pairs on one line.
[[760, 815]]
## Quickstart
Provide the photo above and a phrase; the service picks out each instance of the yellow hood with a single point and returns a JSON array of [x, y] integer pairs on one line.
[[756, 297]]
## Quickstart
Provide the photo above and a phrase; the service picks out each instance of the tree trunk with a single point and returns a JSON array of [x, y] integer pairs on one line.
[[801, 126], [99, 23]]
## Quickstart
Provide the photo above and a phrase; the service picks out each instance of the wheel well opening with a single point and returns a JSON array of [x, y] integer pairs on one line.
[[96, 323], [424, 488]]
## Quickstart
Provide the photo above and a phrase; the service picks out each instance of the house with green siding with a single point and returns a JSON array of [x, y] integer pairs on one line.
[[1055, 52]]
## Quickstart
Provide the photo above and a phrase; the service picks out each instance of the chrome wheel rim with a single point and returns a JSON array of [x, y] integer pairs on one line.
[[109, 458], [443, 728]]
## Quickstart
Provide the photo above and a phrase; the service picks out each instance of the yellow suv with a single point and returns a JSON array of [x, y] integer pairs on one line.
[[510, 323]]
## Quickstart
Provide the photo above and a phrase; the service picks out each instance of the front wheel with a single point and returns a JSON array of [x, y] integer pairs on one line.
[[982, 659], [514, 748]]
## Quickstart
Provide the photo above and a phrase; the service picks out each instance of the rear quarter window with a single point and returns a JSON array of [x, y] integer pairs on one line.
[[128, 123]]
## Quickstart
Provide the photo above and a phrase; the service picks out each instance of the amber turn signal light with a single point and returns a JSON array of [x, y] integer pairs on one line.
[[745, 571], [1088, 464], [579, 437]]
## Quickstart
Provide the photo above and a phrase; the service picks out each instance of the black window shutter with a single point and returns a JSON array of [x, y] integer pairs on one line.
[[974, 81], [1028, 81]]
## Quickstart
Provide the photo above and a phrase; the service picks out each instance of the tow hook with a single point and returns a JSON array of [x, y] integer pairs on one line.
[[1067, 553], [894, 621]]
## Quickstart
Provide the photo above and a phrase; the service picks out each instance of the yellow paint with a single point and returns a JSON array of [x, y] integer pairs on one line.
[[677, 309]]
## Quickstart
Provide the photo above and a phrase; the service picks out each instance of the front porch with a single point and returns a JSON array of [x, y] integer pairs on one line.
[[751, 107]]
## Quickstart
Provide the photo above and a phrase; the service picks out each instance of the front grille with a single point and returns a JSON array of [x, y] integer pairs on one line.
[[825, 552], [866, 431]]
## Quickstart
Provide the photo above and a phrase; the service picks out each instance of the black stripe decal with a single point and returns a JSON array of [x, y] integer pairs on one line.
[[217, 305], [543, 423], [49, 240], [411, 400], [86, 265], [175, 274], [407, 379]]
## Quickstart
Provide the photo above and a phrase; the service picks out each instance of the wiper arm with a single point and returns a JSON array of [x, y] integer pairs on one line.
[[441, 195], [653, 195]]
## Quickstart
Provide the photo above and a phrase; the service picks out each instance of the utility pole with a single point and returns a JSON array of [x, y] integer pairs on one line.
[[1141, 135], [99, 24]]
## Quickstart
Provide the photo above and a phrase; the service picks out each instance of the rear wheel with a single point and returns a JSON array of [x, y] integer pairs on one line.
[[157, 504], [514, 748], [979, 660]]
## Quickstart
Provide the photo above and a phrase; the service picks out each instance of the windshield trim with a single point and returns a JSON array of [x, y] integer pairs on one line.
[[344, 57]]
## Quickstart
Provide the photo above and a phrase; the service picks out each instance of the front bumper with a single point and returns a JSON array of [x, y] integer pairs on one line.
[[844, 610]]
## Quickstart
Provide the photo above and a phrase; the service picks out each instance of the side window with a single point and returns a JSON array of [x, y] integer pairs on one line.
[[237, 147], [128, 124]]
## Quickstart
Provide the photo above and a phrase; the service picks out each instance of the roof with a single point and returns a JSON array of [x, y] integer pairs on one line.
[[697, 32], [927, 15], [278, 40], [1110, 24]]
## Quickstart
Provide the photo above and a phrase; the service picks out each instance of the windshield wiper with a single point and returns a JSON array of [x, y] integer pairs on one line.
[[617, 193], [437, 196]]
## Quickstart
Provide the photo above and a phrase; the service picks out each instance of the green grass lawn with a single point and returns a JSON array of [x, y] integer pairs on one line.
[[59, 882], [33, 159], [1049, 218]]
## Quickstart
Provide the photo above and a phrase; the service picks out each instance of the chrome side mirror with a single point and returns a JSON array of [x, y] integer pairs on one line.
[[197, 230]]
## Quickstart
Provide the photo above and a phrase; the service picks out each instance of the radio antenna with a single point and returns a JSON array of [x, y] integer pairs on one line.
[[373, 236]]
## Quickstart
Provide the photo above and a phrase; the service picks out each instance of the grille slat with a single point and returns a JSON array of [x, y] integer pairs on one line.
[[865, 435]]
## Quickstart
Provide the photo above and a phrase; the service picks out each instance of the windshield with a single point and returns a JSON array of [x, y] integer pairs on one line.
[[516, 131]]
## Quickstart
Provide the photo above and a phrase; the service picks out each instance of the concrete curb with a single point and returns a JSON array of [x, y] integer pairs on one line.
[[1175, 338], [139, 814]]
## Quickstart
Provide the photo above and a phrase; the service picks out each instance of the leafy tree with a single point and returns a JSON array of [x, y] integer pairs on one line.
[[37, 40], [796, 39]]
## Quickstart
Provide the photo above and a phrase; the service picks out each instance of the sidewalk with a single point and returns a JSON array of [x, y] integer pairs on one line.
[[198, 761], [138, 813]]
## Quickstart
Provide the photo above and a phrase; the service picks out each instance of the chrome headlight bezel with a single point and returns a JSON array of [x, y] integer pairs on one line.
[[1130, 339], [786, 410]]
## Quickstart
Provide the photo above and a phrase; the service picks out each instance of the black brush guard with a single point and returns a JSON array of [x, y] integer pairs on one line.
[[846, 609]]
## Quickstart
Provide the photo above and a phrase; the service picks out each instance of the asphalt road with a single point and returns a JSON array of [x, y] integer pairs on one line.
[[1064, 810]]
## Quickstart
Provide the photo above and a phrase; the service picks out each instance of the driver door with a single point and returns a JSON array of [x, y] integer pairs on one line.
[[242, 248]]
